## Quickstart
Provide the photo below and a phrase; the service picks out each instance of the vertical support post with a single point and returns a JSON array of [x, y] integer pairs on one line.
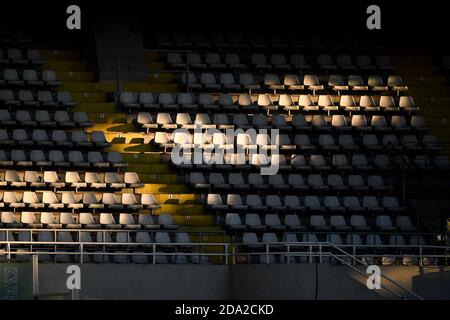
[[154, 254], [320, 253], [226, 254], [310, 253], [35, 262]]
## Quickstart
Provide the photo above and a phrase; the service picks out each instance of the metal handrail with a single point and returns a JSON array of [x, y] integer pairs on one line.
[[381, 274]]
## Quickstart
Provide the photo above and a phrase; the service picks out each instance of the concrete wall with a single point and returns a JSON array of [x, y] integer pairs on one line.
[[113, 281]]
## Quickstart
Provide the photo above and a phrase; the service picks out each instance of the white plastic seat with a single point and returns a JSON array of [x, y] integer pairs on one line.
[[339, 223], [247, 81], [228, 82], [233, 61], [131, 202], [313, 203], [254, 202], [233, 221], [335, 182], [29, 220], [31, 200], [253, 222], [33, 179], [318, 162], [166, 222], [356, 182], [352, 204], [359, 161], [208, 80], [318, 223], [385, 223], [298, 61], [74, 179], [168, 101], [333, 204], [127, 221], [404, 223], [292, 82], [96, 159], [259, 61], [325, 62], [146, 222], [293, 222], [339, 122]]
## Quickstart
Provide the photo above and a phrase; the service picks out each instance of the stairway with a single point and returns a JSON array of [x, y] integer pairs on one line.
[[97, 99]]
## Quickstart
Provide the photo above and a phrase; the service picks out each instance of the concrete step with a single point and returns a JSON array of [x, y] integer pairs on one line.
[[98, 107], [78, 76], [65, 66]]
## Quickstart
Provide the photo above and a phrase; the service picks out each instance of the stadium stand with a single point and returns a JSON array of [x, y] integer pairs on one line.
[[88, 164]]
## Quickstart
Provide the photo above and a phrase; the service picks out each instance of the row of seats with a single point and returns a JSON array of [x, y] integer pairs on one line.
[[263, 41], [293, 181], [62, 256], [58, 220], [299, 162], [80, 200], [311, 203], [252, 221], [59, 158], [72, 179], [339, 122], [58, 138], [29, 77], [355, 239], [43, 98], [44, 118], [104, 237], [19, 57], [262, 141], [277, 61], [246, 81], [266, 102]]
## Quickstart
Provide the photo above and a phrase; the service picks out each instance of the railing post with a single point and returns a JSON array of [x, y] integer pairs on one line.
[[233, 258], [288, 253], [267, 253], [154, 253], [35, 261], [310, 253], [420, 257], [226, 253], [82, 253], [320, 253]]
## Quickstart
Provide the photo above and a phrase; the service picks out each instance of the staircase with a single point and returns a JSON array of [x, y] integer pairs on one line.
[[97, 99]]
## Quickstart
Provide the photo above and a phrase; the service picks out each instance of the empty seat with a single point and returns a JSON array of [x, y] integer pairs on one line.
[[255, 203], [318, 223], [339, 223], [233, 221], [274, 203], [385, 223], [313, 203], [166, 222], [74, 179], [253, 222], [293, 222], [404, 223]]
